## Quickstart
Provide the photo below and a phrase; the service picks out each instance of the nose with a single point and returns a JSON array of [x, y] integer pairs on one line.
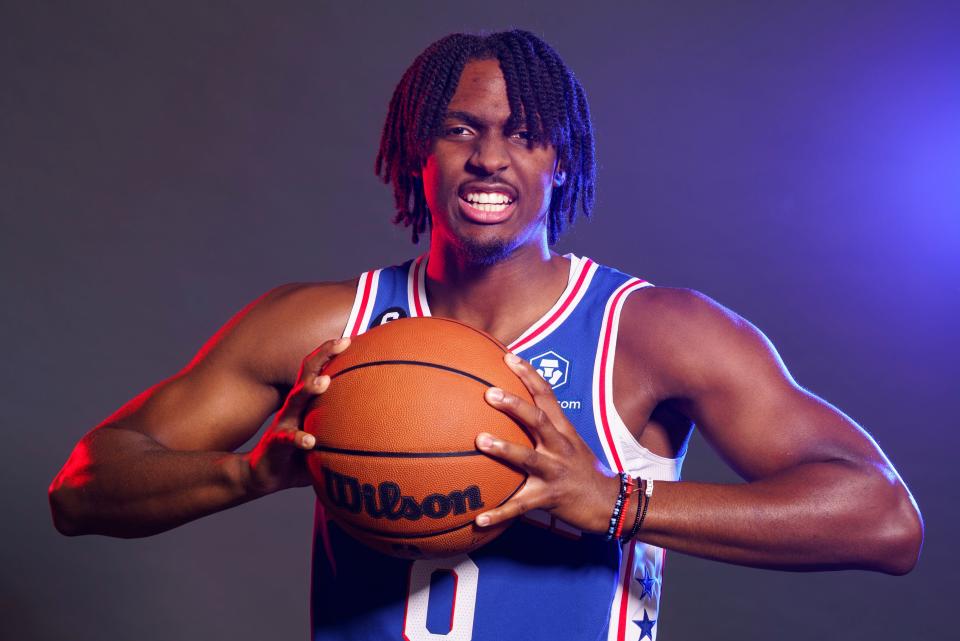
[[490, 155]]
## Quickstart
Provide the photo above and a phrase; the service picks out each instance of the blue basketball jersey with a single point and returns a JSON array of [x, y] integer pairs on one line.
[[542, 578]]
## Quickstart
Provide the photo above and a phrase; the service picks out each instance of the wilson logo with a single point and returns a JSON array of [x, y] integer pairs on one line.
[[386, 501]]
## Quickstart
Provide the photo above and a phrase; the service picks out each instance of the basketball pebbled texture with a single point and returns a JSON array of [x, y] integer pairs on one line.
[[395, 463]]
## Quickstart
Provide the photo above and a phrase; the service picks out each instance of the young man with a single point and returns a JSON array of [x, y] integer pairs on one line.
[[488, 145]]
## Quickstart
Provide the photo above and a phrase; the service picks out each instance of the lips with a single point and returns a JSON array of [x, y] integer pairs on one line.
[[483, 216], [487, 203]]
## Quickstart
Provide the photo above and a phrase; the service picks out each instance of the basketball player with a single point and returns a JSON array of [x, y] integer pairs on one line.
[[489, 148]]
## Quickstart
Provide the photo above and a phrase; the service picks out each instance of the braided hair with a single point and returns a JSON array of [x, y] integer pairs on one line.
[[543, 94]]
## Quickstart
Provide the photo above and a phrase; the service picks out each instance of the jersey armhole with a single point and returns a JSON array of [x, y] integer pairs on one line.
[[362, 308], [624, 452]]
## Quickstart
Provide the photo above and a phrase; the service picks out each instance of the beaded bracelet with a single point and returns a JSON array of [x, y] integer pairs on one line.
[[618, 506], [648, 493], [631, 487], [636, 517], [641, 514]]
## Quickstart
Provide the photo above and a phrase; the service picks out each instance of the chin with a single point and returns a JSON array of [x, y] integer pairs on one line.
[[485, 251]]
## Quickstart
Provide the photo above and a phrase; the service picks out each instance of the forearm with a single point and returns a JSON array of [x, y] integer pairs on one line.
[[828, 515], [122, 483]]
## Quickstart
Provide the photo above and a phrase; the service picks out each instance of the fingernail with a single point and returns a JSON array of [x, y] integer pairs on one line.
[[512, 358], [484, 440], [309, 441], [494, 394], [483, 520]]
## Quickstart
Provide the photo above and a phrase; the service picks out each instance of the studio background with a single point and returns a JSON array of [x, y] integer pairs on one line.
[[162, 164]]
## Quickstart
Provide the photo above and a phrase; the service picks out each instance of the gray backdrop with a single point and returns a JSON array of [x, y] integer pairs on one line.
[[162, 164]]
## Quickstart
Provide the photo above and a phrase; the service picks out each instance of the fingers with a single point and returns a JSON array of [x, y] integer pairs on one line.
[[310, 382], [519, 456], [534, 382], [519, 505], [315, 361], [541, 391], [300, 397], [536, 421], [296, 438]]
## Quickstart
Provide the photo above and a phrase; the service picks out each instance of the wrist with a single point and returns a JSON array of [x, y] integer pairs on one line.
[[244, 480], [609, 490]]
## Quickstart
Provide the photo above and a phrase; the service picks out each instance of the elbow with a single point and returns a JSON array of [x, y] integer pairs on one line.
[[69, 496], [904, 540], [897, 535], [63, 510]]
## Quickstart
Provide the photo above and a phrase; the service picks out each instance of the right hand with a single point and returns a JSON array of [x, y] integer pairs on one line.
[[278, 461]]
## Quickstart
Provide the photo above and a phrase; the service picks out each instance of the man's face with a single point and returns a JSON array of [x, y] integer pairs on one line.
[[487, 187]]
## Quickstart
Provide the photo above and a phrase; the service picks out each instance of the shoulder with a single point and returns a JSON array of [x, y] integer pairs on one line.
[[689, 338], [668, 306], [311, 302], [270, 336]]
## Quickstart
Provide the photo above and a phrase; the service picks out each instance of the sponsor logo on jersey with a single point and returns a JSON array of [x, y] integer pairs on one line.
[[387, 501], [554, 369]]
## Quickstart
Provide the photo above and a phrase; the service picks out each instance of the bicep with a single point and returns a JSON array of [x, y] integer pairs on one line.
[[729, 379], [206, 407], [238, 377], [765, 424], [221, 398]]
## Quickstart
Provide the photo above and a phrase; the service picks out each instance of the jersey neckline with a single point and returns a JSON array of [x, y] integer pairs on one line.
[[581, 272]]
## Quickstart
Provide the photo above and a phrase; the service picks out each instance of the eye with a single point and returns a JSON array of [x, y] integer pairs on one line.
[[522, 135], [457, 131]]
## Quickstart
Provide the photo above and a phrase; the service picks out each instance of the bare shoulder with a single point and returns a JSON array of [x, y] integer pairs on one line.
[[272, 334], [688, 337]]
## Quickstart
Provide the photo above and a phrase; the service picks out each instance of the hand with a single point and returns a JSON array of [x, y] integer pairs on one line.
[[278, 461], [564, 476]]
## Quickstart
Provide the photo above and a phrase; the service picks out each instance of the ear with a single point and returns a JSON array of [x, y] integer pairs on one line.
[[559, 177]]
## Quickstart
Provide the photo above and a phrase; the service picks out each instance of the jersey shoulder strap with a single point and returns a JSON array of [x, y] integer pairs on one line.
[[382, 295]]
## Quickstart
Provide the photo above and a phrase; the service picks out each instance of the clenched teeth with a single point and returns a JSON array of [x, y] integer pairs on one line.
[[487, 198], [490, 208]]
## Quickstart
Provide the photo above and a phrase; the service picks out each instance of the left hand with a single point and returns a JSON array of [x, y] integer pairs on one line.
[[563, 475]]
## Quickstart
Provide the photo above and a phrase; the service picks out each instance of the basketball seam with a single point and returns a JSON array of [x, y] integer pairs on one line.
[[387, 454], [446, 368]]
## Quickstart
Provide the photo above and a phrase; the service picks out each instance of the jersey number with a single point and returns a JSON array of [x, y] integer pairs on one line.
[[465, 574]]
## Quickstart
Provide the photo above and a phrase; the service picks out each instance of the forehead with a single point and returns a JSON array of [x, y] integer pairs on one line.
[[482, 91]]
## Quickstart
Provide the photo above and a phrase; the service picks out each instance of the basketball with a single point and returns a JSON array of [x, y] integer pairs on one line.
[[395, 462]]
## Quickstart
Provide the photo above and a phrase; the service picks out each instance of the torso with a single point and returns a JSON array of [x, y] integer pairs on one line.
[[642, 399], [647, 442]]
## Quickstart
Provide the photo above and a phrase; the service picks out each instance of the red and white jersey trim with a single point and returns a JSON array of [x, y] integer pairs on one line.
[[603, 370], [416, 288], [581, 273], [638, 590], [363, 303]]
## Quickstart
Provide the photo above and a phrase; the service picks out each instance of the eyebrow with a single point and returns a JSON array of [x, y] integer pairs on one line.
[[465, 116]]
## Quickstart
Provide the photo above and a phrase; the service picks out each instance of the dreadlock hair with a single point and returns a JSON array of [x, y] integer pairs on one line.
[[543, 94]]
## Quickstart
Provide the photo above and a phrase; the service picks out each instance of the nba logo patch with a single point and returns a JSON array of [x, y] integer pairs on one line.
[[552, 367]]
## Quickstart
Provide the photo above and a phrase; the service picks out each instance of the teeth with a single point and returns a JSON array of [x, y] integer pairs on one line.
[[487, 198], [490, 208]]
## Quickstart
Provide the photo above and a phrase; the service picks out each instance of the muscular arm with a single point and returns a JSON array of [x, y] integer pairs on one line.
[[166, 457], [819, 493]]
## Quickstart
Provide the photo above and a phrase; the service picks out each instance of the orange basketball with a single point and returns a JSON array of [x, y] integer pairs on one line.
[[395, 462]]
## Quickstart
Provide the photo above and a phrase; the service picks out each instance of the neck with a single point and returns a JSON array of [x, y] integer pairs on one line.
[[501, 298]]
